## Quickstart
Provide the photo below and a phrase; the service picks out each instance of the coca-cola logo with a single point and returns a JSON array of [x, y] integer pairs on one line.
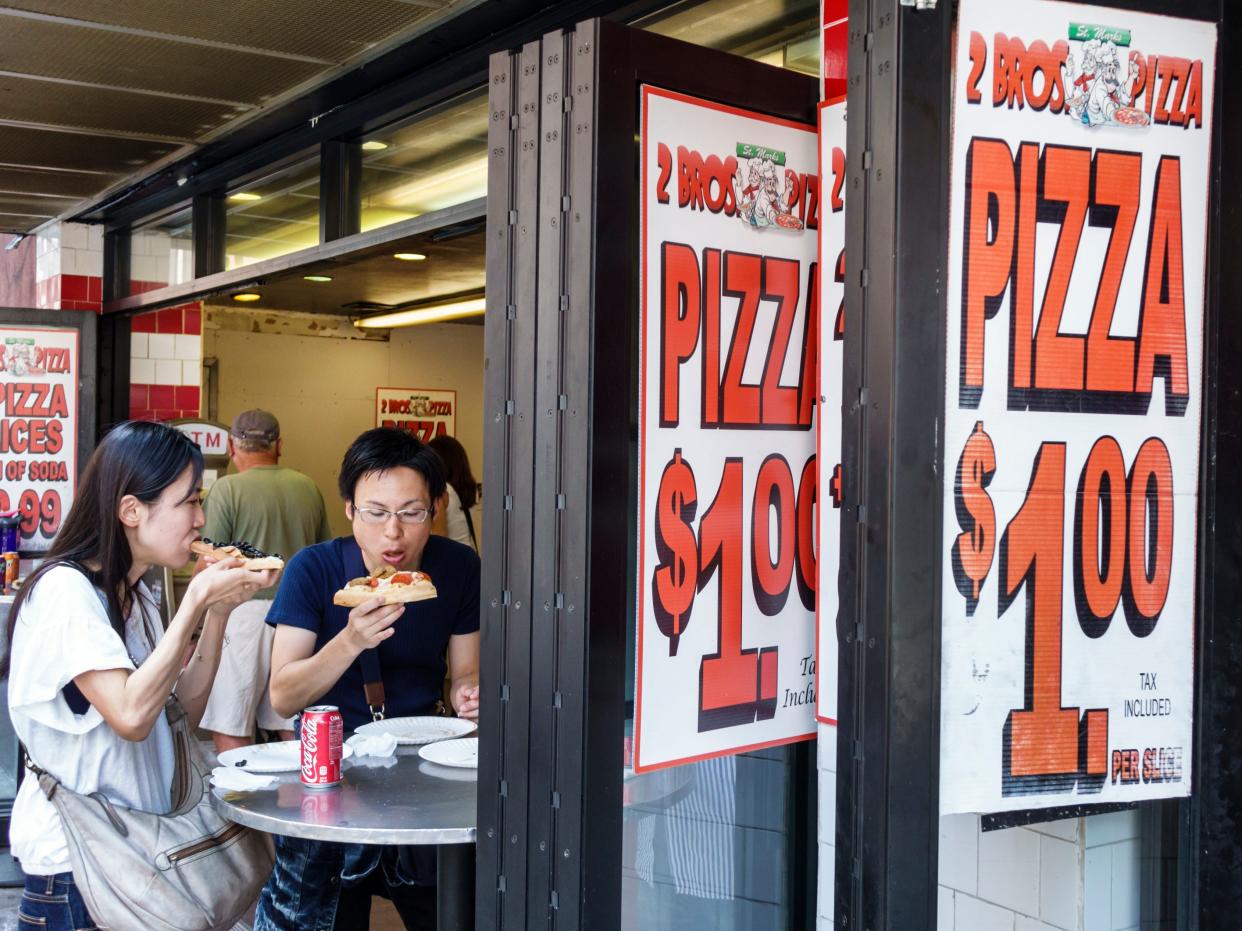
[[310, 748]]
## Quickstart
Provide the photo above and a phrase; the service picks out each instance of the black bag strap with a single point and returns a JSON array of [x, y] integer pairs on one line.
[[470, 527], [372, 682]]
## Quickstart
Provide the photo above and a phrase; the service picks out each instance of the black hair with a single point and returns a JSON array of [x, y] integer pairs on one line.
[[456, 468], [138, 458], [386, 448]]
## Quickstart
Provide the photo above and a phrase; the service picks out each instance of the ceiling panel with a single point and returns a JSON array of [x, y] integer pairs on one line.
[[116, 59], [451, 267], [49, 149], [35, 101], [335, 30], [60, 183]]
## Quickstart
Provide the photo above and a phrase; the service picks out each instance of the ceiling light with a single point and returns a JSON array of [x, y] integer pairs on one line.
[[243, 197], [374, 145], [316, 277], [428, 313], [409, 256], [247, 296]]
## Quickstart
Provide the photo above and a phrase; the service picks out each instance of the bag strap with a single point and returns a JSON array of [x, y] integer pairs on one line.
[[470, 527], [372, 682]]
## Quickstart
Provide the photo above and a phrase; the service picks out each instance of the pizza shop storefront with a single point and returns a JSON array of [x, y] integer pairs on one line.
[[741, 382]]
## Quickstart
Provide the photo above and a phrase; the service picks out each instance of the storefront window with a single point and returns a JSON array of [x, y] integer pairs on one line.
[[161, 252], [784, 33], [434, 161], [708, 844], [273, 214]]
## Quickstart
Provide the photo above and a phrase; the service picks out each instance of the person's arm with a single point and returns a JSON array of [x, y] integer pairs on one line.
[[300, 675], [131, 701], [463, 663]]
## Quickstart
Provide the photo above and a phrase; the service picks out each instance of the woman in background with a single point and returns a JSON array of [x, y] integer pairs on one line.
[[453, 511]]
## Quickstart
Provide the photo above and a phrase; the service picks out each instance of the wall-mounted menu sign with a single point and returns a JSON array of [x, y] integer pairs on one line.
[[727, 489], [39, 371], [1073, 404], [425, 412]]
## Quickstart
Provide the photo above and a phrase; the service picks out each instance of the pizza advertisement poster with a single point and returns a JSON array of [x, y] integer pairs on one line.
[[39, 372], [425, 412], [831, 363], [1073, 404], [725, 652]]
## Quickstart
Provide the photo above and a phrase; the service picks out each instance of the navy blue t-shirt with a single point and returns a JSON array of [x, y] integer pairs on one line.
[[412, 659]]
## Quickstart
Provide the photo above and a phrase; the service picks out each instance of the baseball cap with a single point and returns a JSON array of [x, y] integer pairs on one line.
[[255, 425]]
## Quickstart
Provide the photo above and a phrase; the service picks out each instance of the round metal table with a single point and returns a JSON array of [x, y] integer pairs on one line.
[[398, 800]]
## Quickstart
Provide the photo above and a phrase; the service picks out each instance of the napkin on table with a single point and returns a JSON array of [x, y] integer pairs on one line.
[[373, 744], [230, 777]]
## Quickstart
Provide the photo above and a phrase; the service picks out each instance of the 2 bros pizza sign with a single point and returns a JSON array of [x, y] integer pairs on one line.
[[1074, 353], [728, 490], [39, 370]]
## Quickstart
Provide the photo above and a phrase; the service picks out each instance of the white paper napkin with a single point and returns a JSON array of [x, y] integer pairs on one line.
[[373, 744], [230, 777]]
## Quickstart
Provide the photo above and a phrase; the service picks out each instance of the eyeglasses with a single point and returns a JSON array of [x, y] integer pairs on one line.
[[381, 515]]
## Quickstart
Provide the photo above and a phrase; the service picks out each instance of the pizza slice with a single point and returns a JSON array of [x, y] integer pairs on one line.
[[394, 586], [254, 558]]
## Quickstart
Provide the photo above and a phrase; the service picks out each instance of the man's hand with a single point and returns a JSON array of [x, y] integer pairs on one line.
[[370, 624], [466, 701]]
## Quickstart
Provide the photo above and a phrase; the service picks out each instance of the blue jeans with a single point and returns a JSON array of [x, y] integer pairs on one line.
[[322, 886], [53, 903]]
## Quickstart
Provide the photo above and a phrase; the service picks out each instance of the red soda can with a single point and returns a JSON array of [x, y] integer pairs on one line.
[[323, 733]]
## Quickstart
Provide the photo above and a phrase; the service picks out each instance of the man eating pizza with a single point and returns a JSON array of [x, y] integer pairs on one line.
[[326, 653]]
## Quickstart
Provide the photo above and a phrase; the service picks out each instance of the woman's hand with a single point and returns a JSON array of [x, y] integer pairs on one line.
[[225, 584], [370, 624]]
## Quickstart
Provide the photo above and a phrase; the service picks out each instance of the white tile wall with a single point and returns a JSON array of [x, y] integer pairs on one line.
[[138, 347], [978, 915], [168, 372], [163, 346], [190, 372], [142, 371], [1009, 869], [1060, 882], [188, 347]]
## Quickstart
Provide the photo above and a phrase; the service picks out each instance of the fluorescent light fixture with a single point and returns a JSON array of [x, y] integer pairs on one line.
[[316, 277], [247, 296], [243, 197], [428, 313], [374, 145], [409, 256]]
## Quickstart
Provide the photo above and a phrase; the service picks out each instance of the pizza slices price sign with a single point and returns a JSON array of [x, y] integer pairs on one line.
[[39, 370], [424, 412], [1074, 354], [728, 405]]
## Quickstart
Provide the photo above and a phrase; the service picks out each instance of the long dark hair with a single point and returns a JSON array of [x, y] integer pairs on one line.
[[136, 458], [457, 469]]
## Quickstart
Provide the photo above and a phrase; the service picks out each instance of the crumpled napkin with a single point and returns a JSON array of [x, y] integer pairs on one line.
[[373, 744], [230, 777]]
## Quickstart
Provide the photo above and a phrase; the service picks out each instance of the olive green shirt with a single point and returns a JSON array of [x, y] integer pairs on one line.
[[278, 510]]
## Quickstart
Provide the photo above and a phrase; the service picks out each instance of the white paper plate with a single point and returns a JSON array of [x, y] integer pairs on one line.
[[462, 753], [282, 757], [417, 731]]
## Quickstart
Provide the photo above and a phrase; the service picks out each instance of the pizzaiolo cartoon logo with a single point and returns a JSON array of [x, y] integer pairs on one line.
[[754, 184], [1095, 78]]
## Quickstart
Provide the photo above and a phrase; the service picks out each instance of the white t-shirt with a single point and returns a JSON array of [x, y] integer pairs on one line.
[[455, 526], [63, 631]]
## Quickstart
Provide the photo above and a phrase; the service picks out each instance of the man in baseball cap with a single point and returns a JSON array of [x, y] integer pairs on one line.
[[279, 510]]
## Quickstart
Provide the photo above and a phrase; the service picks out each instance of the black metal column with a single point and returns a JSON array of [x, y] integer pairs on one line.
[[340, 189], [896, 221], [208, 224], [1210, 876]]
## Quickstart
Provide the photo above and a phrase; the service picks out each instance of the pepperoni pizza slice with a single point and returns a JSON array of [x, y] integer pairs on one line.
[[388, 583]]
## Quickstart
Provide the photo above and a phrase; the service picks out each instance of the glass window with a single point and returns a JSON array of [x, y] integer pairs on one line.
[[273, 214], [434, 161], [161, 252], [784, 33]]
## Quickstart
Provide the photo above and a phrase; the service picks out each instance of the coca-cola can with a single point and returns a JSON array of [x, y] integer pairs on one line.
[[323, 733]]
